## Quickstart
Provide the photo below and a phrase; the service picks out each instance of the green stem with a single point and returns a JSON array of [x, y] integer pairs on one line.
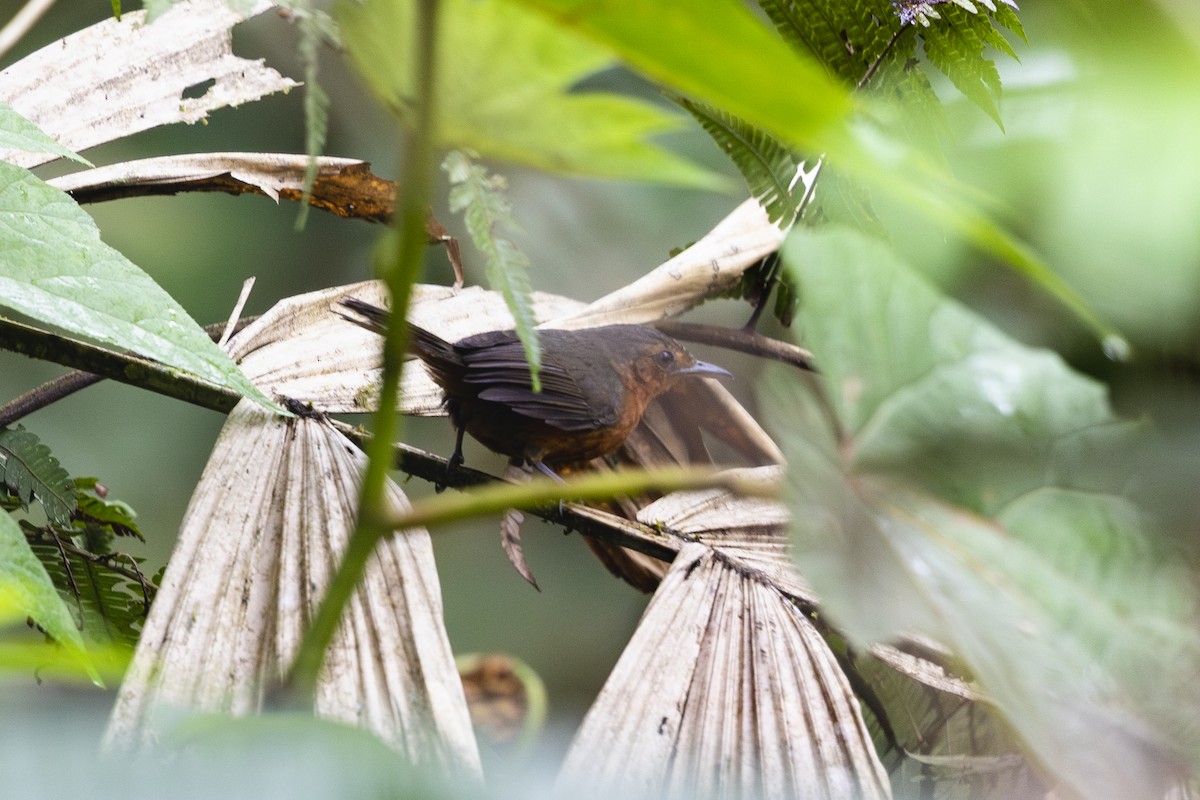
[[413, 204], [593, 487]]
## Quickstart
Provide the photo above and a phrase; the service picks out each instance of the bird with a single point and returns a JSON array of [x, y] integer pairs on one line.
[[595, 385]]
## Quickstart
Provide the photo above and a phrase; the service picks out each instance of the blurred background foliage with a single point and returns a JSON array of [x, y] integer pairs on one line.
[[1096, 167]]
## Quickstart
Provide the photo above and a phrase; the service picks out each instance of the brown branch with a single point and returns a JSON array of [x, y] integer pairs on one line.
[[740, 340], [54, 390]]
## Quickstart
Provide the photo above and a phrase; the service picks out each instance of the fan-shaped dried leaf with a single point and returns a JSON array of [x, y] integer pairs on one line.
[[120, 77], [725, 690], [343, 186], [752, 530], [260, 540]]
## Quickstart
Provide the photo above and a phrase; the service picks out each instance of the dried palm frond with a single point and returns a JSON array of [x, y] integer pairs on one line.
[[728, 690], [120, 77], [260, 540]]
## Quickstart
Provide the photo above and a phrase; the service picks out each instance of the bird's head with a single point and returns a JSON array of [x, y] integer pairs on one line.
[[655, 362]]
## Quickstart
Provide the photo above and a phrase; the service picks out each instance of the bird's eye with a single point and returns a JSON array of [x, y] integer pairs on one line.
[[665, 357]]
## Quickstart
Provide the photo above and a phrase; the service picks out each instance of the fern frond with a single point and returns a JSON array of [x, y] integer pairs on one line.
[[108, 591], [846, 36], [29, 470], [956, 48], [483, 200], [768, 167]]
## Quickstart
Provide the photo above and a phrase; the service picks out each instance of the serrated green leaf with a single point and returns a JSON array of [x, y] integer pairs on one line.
[[958, 491], [28, 469], [316, 29], [55, 269], [955, 46], [18, 133], [485, 207], [846, 36], [26, 589], [504, 89], [768, 167], [114, 516]]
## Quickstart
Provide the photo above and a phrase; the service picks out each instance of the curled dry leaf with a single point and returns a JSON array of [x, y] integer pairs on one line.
[[726, 690], [344, 186], [510, 529], [120, 77], [709, 267]]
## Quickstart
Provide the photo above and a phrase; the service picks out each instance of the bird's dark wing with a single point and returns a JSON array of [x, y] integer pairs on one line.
[[496, 366]]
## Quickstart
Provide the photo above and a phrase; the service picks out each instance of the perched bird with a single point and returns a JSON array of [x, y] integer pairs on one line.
[[595, 385]]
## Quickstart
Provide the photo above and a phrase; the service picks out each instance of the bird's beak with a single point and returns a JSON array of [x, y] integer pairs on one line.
[[705, 370]]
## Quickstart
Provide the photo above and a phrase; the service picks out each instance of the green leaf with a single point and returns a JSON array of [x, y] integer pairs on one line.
[[719, 53], [481, 198], [55, 269], [964, 487], [110, 515], [28, 469], [26, 590], [767, 165], [504, 89], [18, 133]]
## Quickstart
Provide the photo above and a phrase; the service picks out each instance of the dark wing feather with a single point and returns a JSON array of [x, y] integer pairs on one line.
[[499, 368]]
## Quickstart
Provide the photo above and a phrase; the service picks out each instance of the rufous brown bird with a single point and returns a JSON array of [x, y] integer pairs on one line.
[[595, 385]]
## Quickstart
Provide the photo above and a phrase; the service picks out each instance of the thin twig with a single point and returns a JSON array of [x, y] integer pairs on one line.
[[740, 340], [108, 560], [49, 392], [66, 562], [874, 66]]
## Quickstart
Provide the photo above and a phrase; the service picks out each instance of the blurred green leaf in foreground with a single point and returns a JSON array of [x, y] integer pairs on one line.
[[959, 485]]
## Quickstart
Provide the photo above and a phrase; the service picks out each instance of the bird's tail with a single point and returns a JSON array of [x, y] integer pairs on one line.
[[430, 347]]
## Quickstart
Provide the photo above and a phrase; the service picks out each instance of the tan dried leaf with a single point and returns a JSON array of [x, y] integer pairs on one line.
[[751, 530], [726, 690], [510, 529], [118, 78], [263, 534], [710, 266]]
